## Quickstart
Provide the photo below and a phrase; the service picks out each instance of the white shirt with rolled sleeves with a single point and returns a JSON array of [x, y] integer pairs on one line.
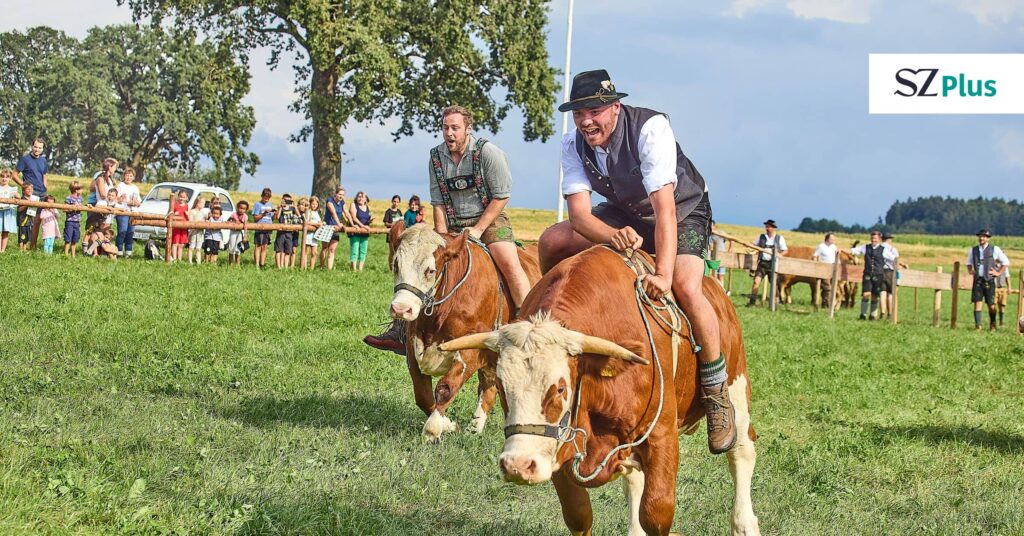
[[826, 253], [656, 147], [997, 255], [889, 256], [778, 241]]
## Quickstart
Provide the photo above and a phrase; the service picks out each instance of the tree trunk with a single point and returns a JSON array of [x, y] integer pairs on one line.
[[327, 138]]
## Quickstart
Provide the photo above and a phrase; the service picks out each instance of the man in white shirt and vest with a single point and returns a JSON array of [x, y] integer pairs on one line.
[[776, 244], [656, 201], [985, 262]]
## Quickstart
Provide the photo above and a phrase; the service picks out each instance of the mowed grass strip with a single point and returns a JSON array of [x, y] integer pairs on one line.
[[144, 398]]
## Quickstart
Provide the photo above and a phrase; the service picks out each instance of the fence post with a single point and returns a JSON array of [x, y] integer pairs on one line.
[[894, 306], [1020, 300], [816, 297], [834, 290], [915, 301], [302, 248], [956, 292], [937, 305], [775, 281], [170, 231]]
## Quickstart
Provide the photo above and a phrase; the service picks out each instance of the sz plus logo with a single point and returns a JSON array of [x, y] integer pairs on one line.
[[946, 83], [923, 83]]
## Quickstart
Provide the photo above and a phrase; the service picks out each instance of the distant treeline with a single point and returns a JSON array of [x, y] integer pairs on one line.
[[936, 215]]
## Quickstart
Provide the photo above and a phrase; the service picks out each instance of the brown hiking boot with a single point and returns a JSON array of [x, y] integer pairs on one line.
[[391, 340], [721, 418]]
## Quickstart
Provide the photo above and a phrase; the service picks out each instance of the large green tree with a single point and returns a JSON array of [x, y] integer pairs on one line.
[[370, 60], [145, 96]]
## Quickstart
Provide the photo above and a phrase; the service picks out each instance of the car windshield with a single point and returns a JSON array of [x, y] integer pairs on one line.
[[164, 192]]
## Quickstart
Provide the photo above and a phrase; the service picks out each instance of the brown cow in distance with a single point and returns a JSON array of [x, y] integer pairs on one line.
[[786, 282], [447, 287], [580, 376]]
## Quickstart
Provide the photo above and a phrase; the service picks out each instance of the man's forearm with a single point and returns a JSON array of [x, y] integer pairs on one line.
[[665, 246], [490, 213], [440, 220], [591, 228]]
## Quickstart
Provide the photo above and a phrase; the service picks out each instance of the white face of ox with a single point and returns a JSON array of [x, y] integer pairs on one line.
[[533, 367], [415, 266]]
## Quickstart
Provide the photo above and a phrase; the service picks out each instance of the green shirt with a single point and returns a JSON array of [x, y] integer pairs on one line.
[[496, 172]]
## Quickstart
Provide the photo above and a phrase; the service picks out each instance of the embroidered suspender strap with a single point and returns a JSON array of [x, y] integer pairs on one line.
[[478, 175], [442, 185]]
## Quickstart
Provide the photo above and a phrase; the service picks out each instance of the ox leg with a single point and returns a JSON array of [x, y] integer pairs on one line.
[[487, 392], [575, 501], [421, 385], [633, 484], [741, 462], [444, 393], [658, 502]]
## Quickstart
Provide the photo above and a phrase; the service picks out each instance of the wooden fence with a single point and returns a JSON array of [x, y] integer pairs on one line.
[[937, 281], [171, 222]]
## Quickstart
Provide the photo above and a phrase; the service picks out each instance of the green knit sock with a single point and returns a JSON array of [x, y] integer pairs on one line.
[[713, 373]]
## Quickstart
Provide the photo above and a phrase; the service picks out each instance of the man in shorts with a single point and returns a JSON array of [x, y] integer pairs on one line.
[[873, 280], [656, 201], [470, 184], [986, 262]]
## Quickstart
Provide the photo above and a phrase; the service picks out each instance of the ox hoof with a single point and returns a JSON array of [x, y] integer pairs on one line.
[[437, 425], [746, 527], [476, 426]]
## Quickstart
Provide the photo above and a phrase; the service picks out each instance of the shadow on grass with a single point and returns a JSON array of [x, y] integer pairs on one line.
[[965, 435], [350, 410]]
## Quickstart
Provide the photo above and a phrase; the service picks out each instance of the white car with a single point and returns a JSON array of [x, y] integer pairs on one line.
[[157, 202]]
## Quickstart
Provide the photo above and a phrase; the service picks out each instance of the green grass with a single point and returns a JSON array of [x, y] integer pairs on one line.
[[142, 398]]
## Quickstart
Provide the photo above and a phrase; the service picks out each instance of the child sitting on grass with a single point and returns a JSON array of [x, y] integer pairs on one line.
[[73, 219], [99, 242], [213, 237], [48, 228], [237, 238]]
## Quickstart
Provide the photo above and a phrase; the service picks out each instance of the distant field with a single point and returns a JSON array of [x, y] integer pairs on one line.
[[920, 251]]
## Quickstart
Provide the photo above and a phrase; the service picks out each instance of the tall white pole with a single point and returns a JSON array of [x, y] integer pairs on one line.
[[565, 115]]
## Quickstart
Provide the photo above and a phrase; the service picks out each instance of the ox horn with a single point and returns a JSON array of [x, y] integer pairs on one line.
[[473, 341], [597, 345]]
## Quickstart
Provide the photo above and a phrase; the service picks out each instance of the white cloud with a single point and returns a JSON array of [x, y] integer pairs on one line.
[[1010, 145], [846, 11], [990, 11], [74, 18]]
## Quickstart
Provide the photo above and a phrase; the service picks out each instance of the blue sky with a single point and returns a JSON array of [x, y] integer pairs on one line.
[[767, 97]]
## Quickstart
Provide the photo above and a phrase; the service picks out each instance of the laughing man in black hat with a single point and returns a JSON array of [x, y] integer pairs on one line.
[[775, 243], [656, 201], [986, 263]]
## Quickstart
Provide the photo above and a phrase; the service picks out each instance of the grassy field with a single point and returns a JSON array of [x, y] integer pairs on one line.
[[141, 398]]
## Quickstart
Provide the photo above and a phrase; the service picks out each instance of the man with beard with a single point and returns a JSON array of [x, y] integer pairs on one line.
[[658, 202], [470, 184]]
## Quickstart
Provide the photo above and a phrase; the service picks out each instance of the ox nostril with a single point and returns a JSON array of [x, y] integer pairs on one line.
[[505, 466], [531, 468]]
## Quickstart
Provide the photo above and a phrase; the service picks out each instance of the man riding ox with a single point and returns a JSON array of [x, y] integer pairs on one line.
[[600, 380], [470, 184], [657, 201]]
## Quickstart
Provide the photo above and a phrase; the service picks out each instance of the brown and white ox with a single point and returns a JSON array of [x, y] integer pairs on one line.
[[558, 356], [459, 277], [786, 282]]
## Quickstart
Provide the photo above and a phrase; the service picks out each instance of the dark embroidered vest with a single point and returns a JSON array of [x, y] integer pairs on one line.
[[873, 259], [623, 186], [982, 265]]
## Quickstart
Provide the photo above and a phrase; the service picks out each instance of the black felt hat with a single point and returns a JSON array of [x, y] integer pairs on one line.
[[591, 89], [985, 233], [886, 236], [770, 223]]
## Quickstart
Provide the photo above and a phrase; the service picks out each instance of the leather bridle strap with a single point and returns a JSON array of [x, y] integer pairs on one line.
[[423, 296], [545, 430]]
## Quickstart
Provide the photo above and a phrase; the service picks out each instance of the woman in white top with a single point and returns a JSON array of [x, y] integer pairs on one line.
[[128, 196]]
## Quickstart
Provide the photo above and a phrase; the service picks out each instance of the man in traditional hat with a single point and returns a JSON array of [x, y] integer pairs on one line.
[[656, 201], [470, 184], [985, 262], [774, 243], [871, 284]]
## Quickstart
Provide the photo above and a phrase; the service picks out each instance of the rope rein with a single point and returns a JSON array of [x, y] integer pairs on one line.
[[674, 324]]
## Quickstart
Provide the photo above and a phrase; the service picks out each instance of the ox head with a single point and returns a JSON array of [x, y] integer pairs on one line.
[[538, 378], [419, 258]]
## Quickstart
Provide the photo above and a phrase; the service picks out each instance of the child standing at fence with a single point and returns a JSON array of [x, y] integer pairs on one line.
[[26, 217], [312, 213], [284, 245], [195, 236], [359, 215], [73, 219], [48, 228], [236, 240], [212, 238], [178, 211], [8, 213], [262, 212]]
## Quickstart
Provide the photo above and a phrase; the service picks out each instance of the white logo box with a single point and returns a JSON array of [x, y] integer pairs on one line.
[[1004, 71]]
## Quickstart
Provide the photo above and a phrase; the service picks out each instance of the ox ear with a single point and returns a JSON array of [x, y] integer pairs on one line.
[[474, 341], [599, 346], [455, 244]]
